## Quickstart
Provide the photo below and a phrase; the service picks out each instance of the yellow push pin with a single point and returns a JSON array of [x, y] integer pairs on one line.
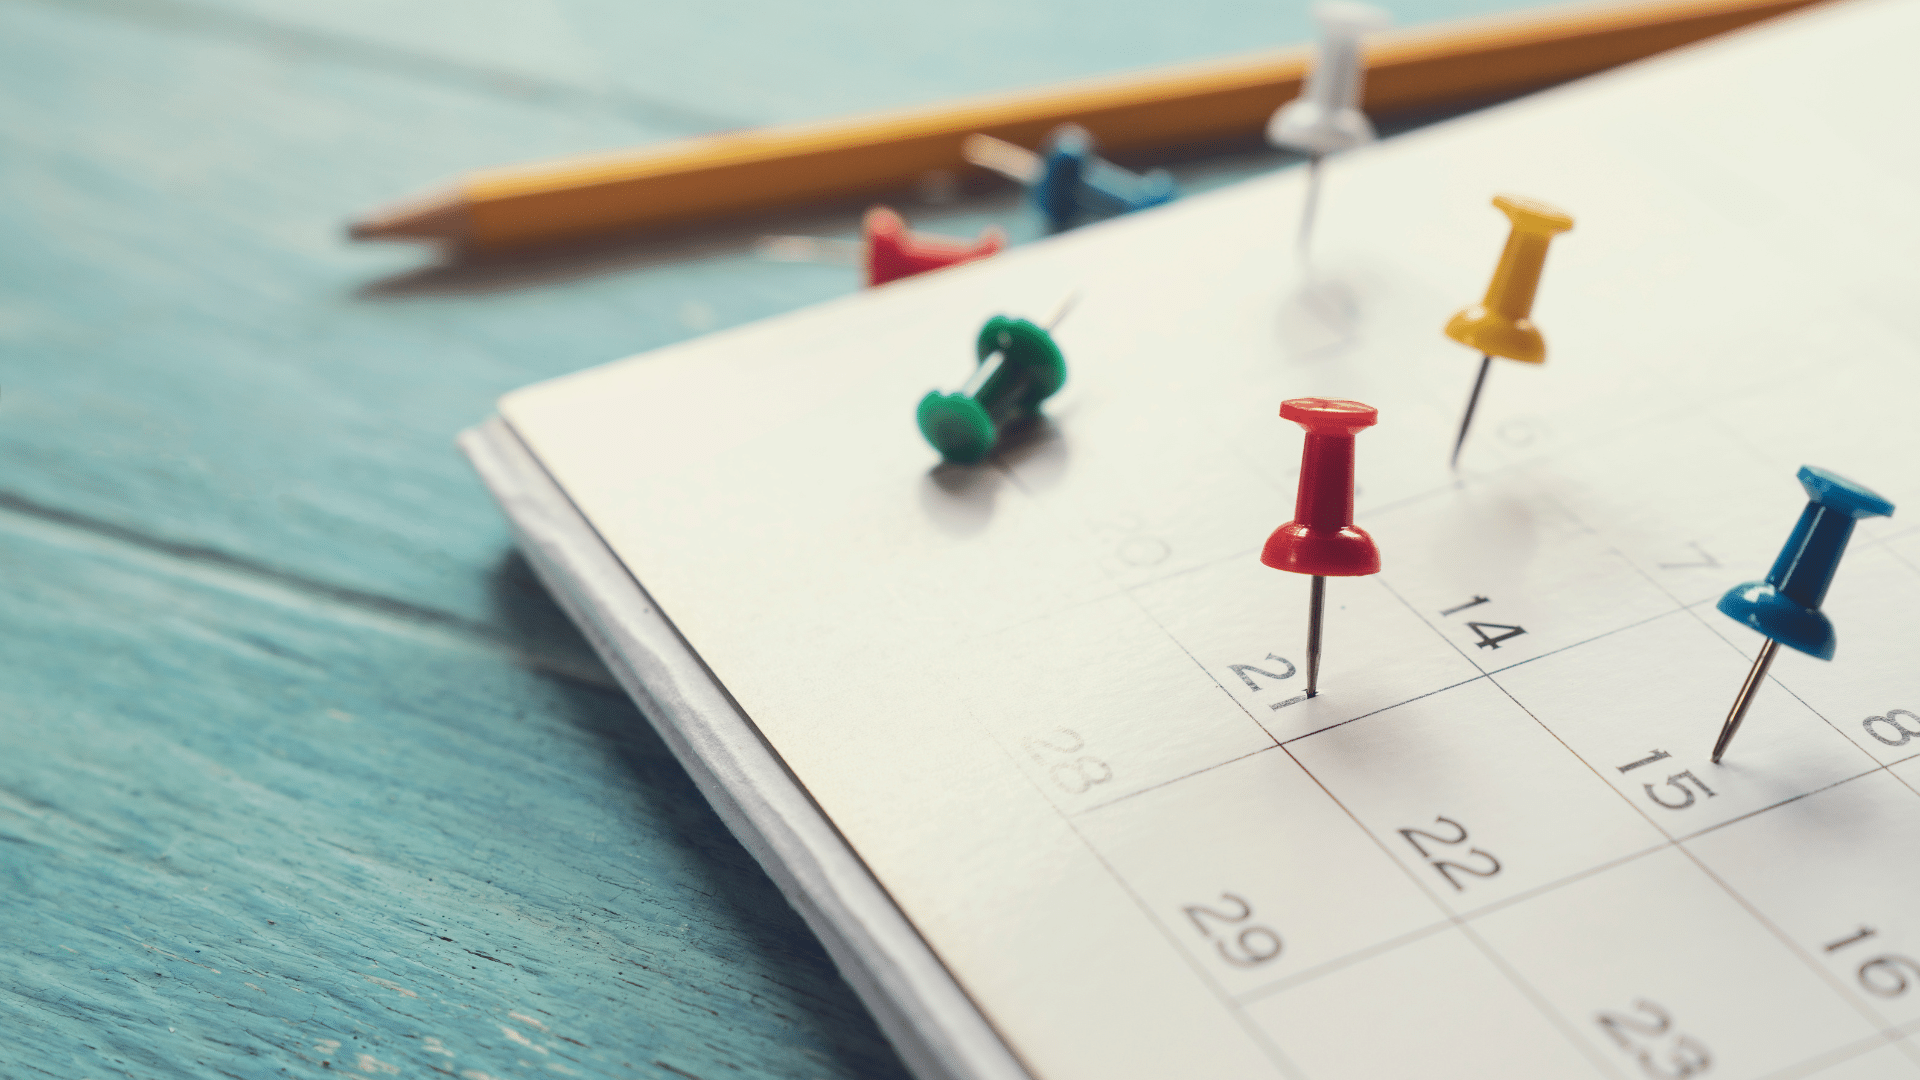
[[1502, 323]]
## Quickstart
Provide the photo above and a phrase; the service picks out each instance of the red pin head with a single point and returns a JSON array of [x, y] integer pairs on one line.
[[895, 251], [1322, 539]]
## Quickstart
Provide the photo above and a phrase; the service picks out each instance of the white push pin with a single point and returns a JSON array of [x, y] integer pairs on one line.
[[1326, 117]]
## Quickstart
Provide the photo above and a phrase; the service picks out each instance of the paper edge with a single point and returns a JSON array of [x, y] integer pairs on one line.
[[938, 1030]]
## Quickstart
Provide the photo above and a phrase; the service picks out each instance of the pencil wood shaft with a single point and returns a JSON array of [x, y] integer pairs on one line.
[[717, 175]]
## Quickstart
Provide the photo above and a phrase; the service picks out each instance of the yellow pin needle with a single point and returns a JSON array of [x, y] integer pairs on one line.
[[1501, 324]]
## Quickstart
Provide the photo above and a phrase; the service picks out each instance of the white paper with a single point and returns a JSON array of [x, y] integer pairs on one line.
[[1038, 698]]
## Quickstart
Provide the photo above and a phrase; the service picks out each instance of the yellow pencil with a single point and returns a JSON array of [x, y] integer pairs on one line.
[[715, 176]]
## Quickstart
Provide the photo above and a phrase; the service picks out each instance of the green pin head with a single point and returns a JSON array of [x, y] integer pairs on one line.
[[1020, 367]]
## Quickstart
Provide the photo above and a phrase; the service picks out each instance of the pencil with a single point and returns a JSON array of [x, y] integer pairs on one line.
[[715, 176]]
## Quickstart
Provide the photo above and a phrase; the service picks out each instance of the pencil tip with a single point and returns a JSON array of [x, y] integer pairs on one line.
[[442, 217]]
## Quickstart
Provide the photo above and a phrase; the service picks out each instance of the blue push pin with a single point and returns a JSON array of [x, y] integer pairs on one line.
[[1067, 179], [1786, 606]]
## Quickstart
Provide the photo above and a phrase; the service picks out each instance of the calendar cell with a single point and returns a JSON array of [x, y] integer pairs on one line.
[[1246, 624], [1256, 873], [1653, 963], [1882, 1062], [1874, 602], [1112, 706], [1437, 1008], [1474, 798], [1693, 532], [1643, 706], [1846, 896], [1505, 575]]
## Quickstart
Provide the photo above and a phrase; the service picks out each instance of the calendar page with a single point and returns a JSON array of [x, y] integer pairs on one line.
[[1055, 702]]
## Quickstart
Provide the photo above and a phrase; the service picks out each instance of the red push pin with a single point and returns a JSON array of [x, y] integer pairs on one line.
[[1322, 539], [887, 249], [895, 251]]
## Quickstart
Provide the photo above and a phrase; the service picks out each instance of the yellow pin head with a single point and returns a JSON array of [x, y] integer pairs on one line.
[[1502, 324]]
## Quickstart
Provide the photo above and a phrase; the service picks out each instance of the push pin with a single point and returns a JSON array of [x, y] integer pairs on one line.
[[887, 248], [1786, 606], [1326, 117], [1502, 323], [1322, 539], [895, 251], [1020, 367], [1067, 179]]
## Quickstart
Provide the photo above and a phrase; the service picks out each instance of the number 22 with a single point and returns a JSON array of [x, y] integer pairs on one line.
[[1446, 867]]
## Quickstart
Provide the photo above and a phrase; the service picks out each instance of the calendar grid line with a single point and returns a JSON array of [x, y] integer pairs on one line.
[[1164, 784], [1539, 1000], [1900, 532], [1464, 920], [1809, 706], [1679, 843], [1809, 961], [1788, 801], [1502, 904], [1830, 1058], [1381, 709], [1718, 630], [1614, 550], [1887, 546], [1490, 672], [1253, 1030], [1225, 997], [1449, 918], [1342, 962], [1901, 1037], [1456, 921], [1776, 681], [1381, 948], [1188, 653], [1272, 1051], [1543, 725]]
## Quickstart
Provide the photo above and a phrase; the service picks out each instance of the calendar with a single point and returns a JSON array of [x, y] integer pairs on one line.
[[1050, 708]]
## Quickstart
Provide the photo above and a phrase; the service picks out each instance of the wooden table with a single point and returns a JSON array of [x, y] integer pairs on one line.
[[300, 770]]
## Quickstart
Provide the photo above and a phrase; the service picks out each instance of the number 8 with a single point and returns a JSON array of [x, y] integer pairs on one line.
[[1906, 734], [1067, 773]]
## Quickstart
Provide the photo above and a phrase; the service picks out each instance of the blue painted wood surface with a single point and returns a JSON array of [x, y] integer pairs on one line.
[[300, 771]]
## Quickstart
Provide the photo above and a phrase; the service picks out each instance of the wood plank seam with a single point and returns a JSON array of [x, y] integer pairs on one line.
[[238, 574], [367, 54]]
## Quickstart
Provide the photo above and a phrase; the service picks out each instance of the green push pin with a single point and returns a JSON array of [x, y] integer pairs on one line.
[[1020, 367]]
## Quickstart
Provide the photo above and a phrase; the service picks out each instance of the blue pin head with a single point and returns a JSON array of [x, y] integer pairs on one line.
[[1786, 606], [1075, 181]]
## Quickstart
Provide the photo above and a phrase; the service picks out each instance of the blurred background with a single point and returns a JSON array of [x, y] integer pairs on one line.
[[300, 770]]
